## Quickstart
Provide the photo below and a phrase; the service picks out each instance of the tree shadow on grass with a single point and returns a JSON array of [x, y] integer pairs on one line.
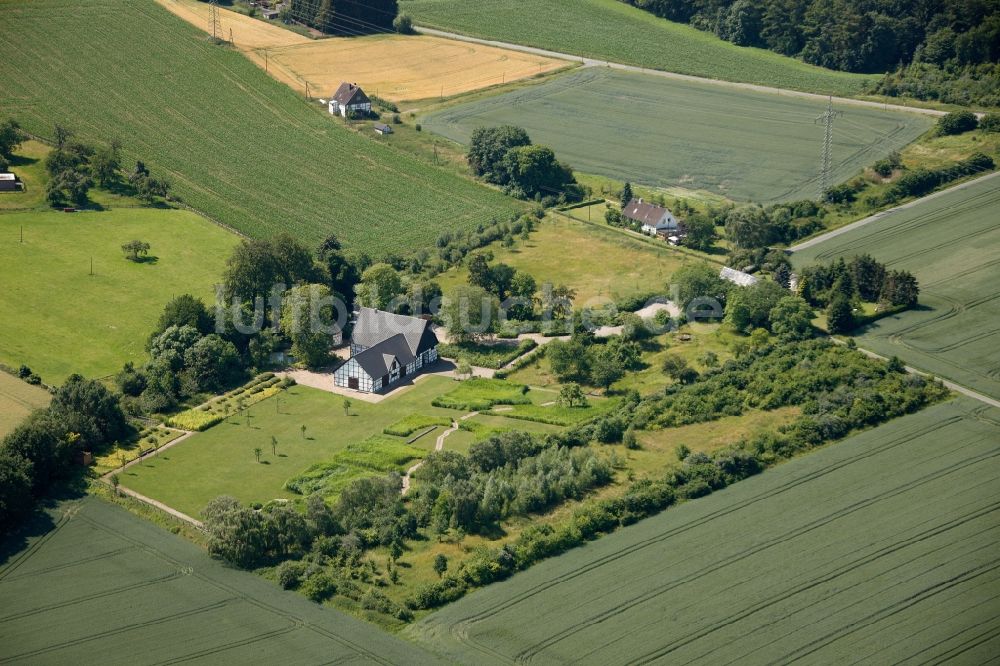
[[45, 516]]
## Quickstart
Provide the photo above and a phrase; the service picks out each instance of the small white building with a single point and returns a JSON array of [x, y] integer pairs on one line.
[[9, 183], [385, 348], [349, 98], [652, 218], [738, 277], [382, 129]]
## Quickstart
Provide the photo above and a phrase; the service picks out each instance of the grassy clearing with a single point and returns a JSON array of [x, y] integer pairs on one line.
[[949, 244], [68, 320], [236, 144], [479, 394], [600, 263], [556, 414], [91, 559], [17, 400], [221, 460], [413, 423], [741, 144], [611, 30], [378, 454], [880, 547], [487, 356], [650, 379]]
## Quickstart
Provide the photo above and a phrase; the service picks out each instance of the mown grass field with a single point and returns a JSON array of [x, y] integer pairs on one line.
[[950, 244], [881, 548], [101, 584], [236, 144], [221, 461], [745, 145], [613, 31], [61, 319], [600, 263], [395, 67], [17, 400]]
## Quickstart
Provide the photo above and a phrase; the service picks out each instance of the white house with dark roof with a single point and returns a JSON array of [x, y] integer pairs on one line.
[[385, 348], [349, 98], [652, 218]]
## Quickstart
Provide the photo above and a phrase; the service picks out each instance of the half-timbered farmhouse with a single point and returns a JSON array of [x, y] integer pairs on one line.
[[385, 348]]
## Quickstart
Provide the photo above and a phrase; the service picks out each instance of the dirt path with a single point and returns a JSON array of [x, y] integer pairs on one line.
[[151, 454], [438, 446], [593, 62], [161, 506], [878, 216]]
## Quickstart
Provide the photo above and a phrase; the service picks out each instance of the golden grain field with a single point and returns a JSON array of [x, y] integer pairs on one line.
[[395, 67]]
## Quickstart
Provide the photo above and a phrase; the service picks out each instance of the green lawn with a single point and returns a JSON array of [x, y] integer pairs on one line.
[[612, 30], [93, 580], [17, 400], [599, 262], [745, 145], [950, 244], [65, 320], [879, 549], [236, 144], [220, 461]]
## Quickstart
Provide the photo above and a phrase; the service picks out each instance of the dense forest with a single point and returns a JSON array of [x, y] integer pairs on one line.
[[944, 50], [345, 17]]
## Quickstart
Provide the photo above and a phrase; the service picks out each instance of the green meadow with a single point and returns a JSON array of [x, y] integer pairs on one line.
[[63, 317]]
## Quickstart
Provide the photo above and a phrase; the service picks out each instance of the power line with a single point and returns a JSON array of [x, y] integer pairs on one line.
[[214, 24], [826, 161]]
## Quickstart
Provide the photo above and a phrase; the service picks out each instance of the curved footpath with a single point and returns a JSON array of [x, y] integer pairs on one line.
[[593, 62]]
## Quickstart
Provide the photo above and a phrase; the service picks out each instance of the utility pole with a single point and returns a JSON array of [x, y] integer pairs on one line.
[[265, 60], [826, 161], [214, 26], [231, 42]]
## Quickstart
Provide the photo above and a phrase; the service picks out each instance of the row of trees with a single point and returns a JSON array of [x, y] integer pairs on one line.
[[74, 167], [506, 157], [344, 17], [40, 453], [851, 35]]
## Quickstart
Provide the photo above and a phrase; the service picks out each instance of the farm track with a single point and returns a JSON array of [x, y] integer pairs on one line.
[[817, 240], [594, 62], [954, 333]]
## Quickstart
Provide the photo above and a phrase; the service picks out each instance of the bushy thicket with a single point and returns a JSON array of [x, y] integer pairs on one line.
[[508, 474], [839, 390], [40, 452]]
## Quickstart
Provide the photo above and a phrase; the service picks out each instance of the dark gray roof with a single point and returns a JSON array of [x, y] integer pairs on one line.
[[375, 326], [382, 128], [377, 360], [645, 213], [350, 93]]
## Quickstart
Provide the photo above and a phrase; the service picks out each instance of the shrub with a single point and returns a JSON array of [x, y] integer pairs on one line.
[[290, 574], [319, 587], [990, 122], [956, 123]]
